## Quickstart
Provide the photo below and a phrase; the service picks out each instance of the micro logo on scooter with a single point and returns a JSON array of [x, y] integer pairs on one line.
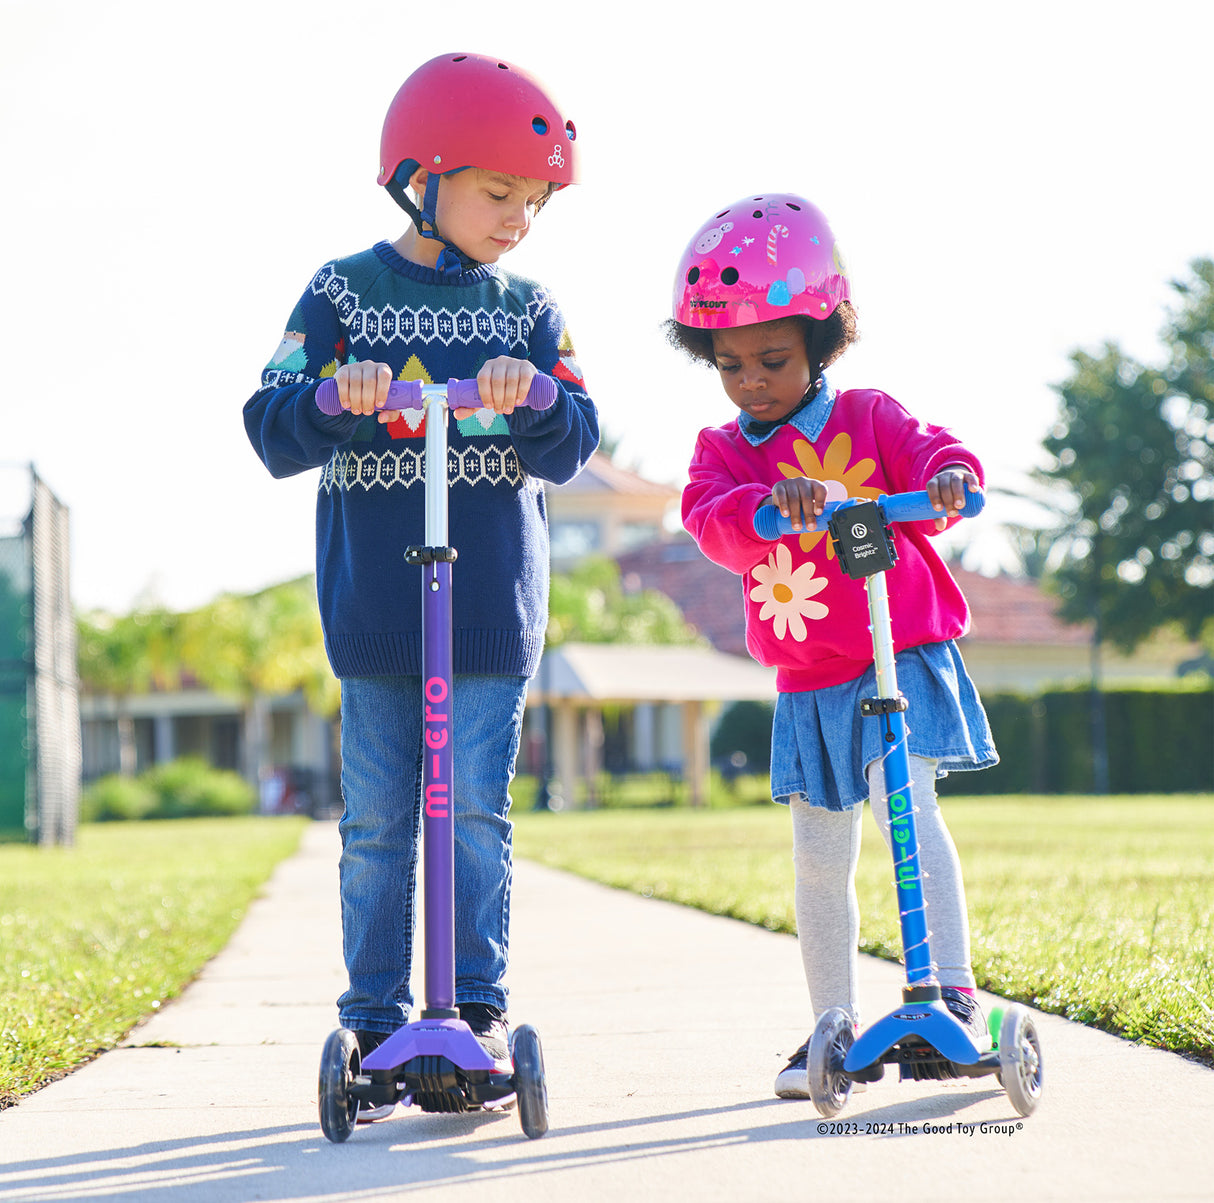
[[900, 832], [437, 801]]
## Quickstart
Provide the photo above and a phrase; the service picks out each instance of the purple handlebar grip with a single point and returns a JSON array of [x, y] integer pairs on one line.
[[464, 394], [898, 507], [461, 394], [402, 394]]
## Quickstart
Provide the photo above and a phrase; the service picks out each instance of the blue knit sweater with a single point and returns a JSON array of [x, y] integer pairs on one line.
[[371, 501]]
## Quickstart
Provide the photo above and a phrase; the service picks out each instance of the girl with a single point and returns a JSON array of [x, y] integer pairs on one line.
[[762, 295]]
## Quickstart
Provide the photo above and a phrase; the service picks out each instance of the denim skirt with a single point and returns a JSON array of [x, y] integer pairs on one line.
[[821, 746]]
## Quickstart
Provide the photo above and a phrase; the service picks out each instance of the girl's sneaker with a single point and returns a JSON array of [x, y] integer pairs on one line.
[[792, 1082], [963, 1006]]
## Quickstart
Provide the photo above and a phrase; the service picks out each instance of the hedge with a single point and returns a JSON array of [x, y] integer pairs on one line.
[[1158, 741]]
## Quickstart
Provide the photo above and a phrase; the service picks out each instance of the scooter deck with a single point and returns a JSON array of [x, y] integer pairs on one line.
[[918, 1029]]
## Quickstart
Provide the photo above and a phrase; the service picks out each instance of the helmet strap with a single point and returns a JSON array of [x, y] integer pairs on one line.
[[452, 261]]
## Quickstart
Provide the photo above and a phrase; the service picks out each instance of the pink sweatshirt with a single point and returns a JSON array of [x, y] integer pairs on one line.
[[803, 615]]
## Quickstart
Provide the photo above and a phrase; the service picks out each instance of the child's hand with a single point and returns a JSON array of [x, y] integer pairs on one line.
[[362, 388], [801, 499], [503, 383], [946, 491]]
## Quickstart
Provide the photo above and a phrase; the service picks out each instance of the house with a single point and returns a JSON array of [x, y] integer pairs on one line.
[[607, 510]]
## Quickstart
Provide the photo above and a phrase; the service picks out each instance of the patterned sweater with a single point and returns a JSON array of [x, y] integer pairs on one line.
[[803, 615], [371, 501]]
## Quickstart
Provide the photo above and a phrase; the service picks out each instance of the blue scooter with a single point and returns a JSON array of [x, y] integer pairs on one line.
[[921, 1037]]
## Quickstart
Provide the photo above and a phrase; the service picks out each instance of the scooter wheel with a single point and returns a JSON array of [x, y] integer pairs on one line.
[[829, 1087], [339, 1063], [1020, 1069], [529, 1084]]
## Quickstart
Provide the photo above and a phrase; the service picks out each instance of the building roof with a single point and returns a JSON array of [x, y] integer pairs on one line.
[[601, 475], [1004, 609], [614, 672]]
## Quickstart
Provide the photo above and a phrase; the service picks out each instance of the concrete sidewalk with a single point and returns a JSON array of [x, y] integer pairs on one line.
[[662, 1028]]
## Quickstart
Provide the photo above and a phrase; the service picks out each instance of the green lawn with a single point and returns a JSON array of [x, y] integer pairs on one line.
[[1099, 909], [95, 937]]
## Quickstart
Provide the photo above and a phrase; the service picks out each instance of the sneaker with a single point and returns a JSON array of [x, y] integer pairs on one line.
[[792, 1082], [964, 1007], [488, 1024], [368, 1042]]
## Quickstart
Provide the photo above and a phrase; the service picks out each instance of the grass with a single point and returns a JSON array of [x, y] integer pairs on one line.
[[1099, 909], [93, 938]]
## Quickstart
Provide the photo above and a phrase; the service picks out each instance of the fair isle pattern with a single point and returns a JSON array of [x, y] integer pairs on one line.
[[389, 323], [349, 470]]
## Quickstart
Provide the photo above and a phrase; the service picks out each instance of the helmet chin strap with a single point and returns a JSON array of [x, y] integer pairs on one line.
[[452, 262]]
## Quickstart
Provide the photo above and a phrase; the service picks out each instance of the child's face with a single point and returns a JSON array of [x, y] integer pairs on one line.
[[486, 214], [764, 368]]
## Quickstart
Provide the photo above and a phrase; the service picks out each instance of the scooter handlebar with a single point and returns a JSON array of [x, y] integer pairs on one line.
[[770, 524], [461, 394]]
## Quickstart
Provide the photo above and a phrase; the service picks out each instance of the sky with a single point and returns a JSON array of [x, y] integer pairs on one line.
[[1010, 183]]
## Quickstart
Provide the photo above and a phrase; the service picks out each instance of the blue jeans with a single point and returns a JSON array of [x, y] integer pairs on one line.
[[381, 745]]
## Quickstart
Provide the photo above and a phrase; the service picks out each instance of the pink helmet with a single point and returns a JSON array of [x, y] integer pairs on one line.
[[466, 110], [758, 260]]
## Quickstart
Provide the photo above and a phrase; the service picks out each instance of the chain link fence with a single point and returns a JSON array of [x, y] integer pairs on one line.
[[39, 704]]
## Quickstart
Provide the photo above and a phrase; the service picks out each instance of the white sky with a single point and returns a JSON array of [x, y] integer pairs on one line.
[[1009, 183]]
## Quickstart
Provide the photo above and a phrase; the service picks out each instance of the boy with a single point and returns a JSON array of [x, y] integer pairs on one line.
[[481, 147]]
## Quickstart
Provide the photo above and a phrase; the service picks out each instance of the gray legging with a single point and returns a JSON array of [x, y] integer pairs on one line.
[[826, 848]]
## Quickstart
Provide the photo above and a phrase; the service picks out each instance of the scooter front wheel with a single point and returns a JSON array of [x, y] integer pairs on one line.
[[339, 1063], [529, 1084], [829, 1087], [1020, 1070]]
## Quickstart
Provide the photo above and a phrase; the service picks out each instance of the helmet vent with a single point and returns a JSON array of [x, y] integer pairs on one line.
[[693, 275], [459, 58], [539, 125], [729, 276], [794, 208], [720, 215], [503, 66], [571, 130]]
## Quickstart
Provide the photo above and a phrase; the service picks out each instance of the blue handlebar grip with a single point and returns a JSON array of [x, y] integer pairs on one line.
[[770, 524]]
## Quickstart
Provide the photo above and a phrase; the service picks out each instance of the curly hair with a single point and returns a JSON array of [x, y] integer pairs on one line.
[[825, 340]]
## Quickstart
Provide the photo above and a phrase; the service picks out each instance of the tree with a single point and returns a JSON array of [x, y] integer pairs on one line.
[[1133, 445], [588, 605], [123, 656], [258, 646]]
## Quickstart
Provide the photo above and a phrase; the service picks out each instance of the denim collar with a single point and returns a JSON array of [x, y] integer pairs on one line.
[[810, 421]]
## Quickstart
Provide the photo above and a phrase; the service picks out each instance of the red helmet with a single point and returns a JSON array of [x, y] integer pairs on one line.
[[466, 110]]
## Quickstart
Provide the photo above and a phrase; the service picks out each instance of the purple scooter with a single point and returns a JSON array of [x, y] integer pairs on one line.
[[921, 1037], [435, 1063]]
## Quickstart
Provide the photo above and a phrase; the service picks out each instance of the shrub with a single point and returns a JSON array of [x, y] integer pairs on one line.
[[191, 788], [115, 798], [742, 738], [180, 789]]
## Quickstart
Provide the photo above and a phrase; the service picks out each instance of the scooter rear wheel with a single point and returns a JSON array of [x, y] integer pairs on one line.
[[529, 1082], [829, 1087], [339, 1063]]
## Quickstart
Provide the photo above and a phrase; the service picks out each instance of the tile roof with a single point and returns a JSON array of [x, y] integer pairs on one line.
[[601, 475], [1009, 610]]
